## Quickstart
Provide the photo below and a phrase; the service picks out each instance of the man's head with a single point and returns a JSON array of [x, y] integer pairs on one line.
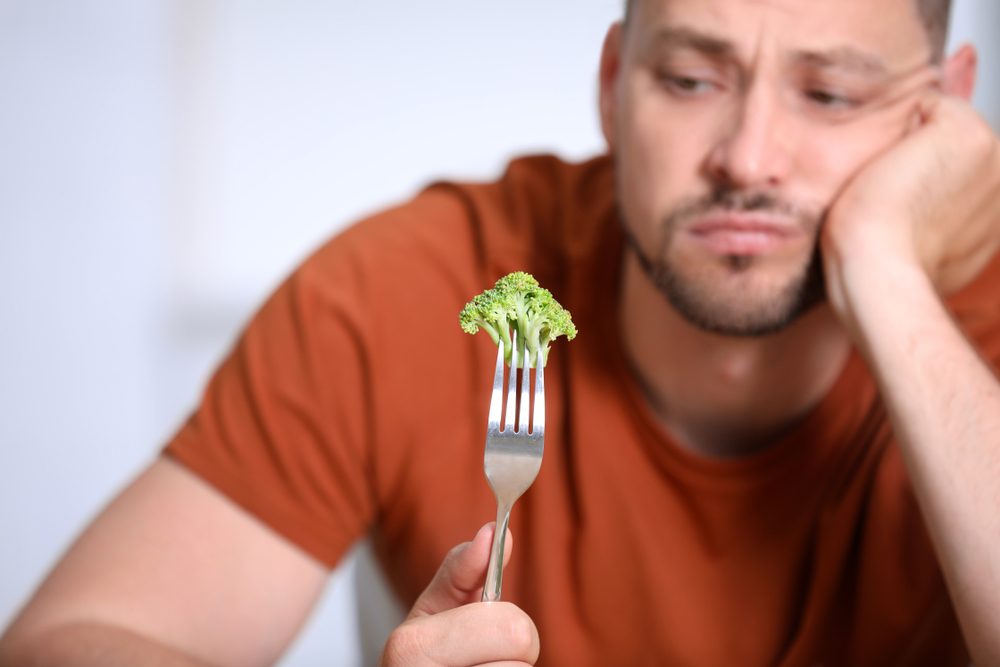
[[934, 15], [735, 123]]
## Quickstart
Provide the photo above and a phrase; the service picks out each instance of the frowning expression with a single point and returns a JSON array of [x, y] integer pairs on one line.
[[735, 123]]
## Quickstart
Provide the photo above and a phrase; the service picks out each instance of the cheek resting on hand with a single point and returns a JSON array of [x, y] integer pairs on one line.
[[931, 203]]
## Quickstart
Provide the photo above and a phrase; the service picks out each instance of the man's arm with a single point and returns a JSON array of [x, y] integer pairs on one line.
[[944, 404], [922, 220], [171, 573]]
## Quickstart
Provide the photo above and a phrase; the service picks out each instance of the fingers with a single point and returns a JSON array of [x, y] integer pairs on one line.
[[461, 577], [936, 108], [907, 89], [494, 633], [449, 627], [955, 117]]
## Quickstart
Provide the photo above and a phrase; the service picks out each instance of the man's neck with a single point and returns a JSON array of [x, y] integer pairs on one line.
[[721, 395]]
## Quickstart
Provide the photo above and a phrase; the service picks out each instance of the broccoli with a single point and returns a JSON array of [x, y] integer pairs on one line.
[[517, 301]]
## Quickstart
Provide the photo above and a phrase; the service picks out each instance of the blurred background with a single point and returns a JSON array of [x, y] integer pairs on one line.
[[164, 163]]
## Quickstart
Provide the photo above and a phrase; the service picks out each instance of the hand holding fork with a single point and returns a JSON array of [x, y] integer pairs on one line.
[[495, 632]]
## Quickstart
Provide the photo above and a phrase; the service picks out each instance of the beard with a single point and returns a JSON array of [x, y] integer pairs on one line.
[[738, 305]]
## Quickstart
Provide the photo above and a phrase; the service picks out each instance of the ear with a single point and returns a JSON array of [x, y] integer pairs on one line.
[[609, 72], [959, 76]]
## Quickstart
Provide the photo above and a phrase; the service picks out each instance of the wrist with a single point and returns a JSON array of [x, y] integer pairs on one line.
[[872, 287]]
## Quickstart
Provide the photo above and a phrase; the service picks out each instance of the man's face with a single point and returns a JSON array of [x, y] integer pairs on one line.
[[735, 123]]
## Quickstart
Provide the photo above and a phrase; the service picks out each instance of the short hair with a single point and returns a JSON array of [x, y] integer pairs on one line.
[[933, 14]]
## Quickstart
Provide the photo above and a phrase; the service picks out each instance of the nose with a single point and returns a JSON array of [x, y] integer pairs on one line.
[[752, 151]]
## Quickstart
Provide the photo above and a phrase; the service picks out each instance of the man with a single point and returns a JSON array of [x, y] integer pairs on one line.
[[722, 483]]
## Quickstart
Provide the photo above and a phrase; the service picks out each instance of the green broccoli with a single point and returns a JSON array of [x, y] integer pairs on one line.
[[517, 301]]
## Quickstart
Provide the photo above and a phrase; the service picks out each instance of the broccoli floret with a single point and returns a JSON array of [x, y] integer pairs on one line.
[[518, 302]]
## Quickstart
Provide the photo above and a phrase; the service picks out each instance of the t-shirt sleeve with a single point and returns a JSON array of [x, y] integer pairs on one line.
[[977, 310], [283, 427], [286, 424]]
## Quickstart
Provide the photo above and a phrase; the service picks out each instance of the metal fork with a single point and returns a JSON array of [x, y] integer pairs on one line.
[[513, 457]]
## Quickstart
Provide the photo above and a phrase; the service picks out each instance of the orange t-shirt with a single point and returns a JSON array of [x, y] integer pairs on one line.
[[353, 403]]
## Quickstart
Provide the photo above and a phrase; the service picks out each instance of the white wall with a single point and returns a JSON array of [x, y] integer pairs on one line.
[[978, 22], [83, 212], [164, 162]]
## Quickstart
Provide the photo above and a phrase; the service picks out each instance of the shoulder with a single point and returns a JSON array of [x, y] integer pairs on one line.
[[456, 238]]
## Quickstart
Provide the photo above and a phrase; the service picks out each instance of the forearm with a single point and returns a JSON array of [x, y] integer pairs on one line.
[[89, 645], [169, 570], [944, 404]]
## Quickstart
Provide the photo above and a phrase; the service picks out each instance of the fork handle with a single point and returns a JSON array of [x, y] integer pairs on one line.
[[494, 571]]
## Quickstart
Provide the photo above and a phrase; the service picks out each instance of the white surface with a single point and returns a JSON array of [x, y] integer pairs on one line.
[[83, 154], [164, 162]]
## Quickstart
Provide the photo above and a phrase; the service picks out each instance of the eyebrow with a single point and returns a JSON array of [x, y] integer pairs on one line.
[[844, 58], [692, 39]]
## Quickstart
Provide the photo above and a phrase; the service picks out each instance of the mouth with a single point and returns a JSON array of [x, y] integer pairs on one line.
[[735, 234]]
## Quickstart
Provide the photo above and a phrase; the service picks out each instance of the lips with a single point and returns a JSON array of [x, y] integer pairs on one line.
[[744, 234]]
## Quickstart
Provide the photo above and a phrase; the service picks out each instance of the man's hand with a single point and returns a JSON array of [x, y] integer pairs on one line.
[[449, 627], [920, 221], [930, 203]]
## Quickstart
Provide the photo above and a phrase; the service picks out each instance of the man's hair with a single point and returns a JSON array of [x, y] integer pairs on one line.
[[933, 13]]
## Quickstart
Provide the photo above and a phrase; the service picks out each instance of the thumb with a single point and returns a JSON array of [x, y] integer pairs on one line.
[[461, 577]]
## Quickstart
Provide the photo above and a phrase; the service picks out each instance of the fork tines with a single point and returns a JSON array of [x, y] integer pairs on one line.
[[537, 416]]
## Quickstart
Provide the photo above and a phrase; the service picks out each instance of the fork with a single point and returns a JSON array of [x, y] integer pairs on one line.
[[513, 457]]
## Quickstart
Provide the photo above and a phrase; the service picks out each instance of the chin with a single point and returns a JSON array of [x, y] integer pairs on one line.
[[740, 303]]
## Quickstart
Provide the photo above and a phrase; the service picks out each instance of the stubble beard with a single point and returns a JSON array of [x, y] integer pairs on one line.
[[738, 308]]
